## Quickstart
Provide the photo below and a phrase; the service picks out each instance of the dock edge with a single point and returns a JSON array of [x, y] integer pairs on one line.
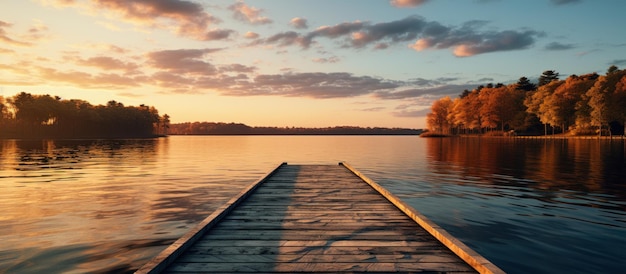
[[159, 263], [471, 257]]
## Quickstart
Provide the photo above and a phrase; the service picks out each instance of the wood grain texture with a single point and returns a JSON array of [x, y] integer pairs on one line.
[[316, 218]]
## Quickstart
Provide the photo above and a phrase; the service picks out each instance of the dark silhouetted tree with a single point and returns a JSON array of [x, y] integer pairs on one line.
[[524, 84], [547, 77]]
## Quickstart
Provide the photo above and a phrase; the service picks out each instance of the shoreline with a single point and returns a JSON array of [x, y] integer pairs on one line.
[[588, 137]]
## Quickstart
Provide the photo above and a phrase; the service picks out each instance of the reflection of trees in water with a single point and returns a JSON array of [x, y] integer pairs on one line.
[[30, 155], [543, 164]]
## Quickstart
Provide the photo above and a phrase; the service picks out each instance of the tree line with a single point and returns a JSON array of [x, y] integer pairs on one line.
[[43, 116], [212, 128], [579, 105]]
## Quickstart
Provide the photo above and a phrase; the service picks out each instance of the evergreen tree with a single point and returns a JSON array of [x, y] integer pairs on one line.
[[547, 77], [524, 84]]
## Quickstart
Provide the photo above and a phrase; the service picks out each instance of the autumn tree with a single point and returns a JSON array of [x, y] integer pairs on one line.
[[490, 107], [466, 111], [563, 101], [439, 119], [598, 101], [537, 103], [616, 83]]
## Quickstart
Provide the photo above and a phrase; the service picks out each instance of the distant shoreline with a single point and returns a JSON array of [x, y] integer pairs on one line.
[[220, 128], [302, 134]]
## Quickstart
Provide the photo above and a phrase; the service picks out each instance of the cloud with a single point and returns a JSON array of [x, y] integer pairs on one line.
[[414, 108], [86, 80], [583, 53], [333, 59], [373, 109], [217, 34], [407, 3], [108, 63], [497, 41], [183, 61], [186, 18], [411, 113], [381, 46], [559, 46], [248, 14], [465, 40], [564, 2], [237, 68], [287, 38], [483, 80], [4, 37], [299, 23], [251, 35], [618, 62], [36, 32], [395, 31], [314, 85], [438, 91]]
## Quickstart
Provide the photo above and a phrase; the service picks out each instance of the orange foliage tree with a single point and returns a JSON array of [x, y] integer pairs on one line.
[[579, 104]]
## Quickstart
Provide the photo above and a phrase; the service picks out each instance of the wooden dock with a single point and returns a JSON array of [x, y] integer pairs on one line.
[[317, 218]]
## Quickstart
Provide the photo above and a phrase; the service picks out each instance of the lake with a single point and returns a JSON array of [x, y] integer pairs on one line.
[[528, 205]]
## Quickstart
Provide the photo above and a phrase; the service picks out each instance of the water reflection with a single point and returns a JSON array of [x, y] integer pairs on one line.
[[62, 200], [522, 201], [110, 205], [551, 164]]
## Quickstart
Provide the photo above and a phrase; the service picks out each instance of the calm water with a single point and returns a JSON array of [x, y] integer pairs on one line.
[[530, 206]]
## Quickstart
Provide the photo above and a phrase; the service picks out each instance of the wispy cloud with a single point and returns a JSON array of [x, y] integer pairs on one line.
[[243, 12], [108, 63], [438, 91], [564, 2], [411, 113], [87, 80], [4, 36], [618, 62], [559, 46], [332, 59]]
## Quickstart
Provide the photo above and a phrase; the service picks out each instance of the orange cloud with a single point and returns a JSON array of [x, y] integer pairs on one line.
[[108, 63], [407, 3], [248, 14], [251, 35], [422, 44], [183, 61], [4, 36], [464, 51], [86, 80], [299, 23], [186, 18]]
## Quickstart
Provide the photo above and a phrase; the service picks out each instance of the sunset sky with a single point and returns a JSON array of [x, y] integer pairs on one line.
[[311, 63]]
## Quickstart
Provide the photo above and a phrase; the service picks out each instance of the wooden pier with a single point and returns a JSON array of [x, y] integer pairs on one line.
[[317, 218]]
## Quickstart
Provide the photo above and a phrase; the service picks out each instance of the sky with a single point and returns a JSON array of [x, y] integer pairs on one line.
[[302, 63]]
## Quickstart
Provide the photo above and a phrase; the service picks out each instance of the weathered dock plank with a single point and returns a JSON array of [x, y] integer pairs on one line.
[[317, 218]]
